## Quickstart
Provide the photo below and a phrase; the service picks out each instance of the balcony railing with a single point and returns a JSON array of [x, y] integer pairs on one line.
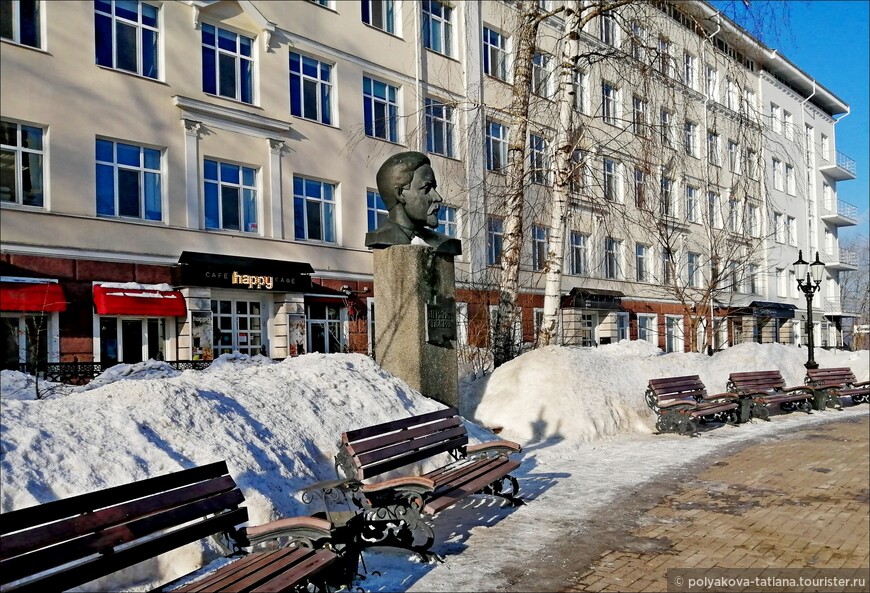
[[848, 257], [844, 162]]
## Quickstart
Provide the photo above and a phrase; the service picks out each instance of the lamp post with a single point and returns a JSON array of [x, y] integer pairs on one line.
[[809, 277]]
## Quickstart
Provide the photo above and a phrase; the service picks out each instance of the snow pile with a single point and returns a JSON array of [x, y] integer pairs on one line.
[[584, 394], [150, 369], [18, 386]]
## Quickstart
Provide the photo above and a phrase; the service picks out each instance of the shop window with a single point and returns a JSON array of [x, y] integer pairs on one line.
[[237, 327], [25, 340], [647, 326], [131, 340], [326, 328]]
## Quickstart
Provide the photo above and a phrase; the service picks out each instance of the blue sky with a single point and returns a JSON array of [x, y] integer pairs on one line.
[[830, 41]]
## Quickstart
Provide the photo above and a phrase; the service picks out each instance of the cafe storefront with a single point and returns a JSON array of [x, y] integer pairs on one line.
[[241, 304]]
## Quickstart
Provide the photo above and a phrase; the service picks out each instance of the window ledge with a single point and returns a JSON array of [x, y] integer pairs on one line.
[[133, 74], [230, 117], [24, 46]]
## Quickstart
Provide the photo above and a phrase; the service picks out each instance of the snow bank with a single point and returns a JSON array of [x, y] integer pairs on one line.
[[585, 394]]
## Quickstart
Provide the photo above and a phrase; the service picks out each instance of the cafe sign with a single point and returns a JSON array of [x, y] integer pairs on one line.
[[255, 274]]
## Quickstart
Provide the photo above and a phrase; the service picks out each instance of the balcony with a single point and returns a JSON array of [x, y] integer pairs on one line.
[[843, 214], [844, 168], [844, 260]]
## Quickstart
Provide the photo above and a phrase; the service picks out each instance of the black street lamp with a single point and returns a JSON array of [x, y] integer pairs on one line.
[[808, 282]]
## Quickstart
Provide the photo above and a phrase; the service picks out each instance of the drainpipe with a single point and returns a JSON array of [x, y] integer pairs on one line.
[[710, 328], [811, 216], [418, 76]]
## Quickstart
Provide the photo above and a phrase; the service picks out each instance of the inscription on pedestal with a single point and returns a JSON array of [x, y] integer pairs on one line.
[[441, 323]]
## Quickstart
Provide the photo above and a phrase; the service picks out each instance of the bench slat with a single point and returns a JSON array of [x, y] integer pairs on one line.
[[395, 463], [287, 581], [451, 495], [257, 566], [402, 448], [68, 507], [364, 446], [101, 540], [378, 429], [46, 535], [107, 564]]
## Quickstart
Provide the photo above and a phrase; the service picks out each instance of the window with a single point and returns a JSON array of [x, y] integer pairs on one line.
[[230, 197], [581, 93], [733, 215], [788, 124], [733, 157], [827, 196], [734, 278], [664, 57], [781, 286], [639, 41], [775, 121], [323, 3], [752, 215], [714, 210], [227, 64], [640, 265], [577, 181], [437, 27], [28, 338], [609, 103], [691, 203], [673, 333], [638, 116], [612, 257], [751, 164], [539, 247], [777, 174], [792, 281], [381, 109], [447, 221], [376, 209], [541, 75], [690, 141], [778, 227], [826, 147], [128, 181], [810, 157], [610, 181], [439, 128], [753, 279], [639, 183], [608, 30], [126, 36], [579, 254], [310, 88], [711, 82], [790, 180], [495, 54], [131, 340], [313, 210], [622, 326], [494, 241], [791, 230], [713, 148], [731, 94], [693, 270], [749, 102], [690, 71], [667, 205], [666, 121], [647, 326], [667, 266], [496, 146], [20, 22], [22, 164], [380, 14], [538, 161]]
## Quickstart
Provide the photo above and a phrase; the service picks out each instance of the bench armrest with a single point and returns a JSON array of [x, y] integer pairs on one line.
[[506, 447], [405, 483], [861, 384], [302, 530], [808, 388]]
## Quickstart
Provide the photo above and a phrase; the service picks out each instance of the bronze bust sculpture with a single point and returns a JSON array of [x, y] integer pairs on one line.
[[407, 185]]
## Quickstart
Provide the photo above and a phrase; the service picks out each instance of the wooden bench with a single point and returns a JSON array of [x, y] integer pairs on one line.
[[374, 451], [66, 543], [766, 388], [682, 402], [838, 382]]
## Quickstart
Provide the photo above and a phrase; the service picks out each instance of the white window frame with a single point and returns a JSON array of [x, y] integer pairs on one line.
[[691, 203], [238, 58], [790, 183], [494, 240], [15, 18], [612, 259], [496, 56], [641, 266], [693, 269], [439, 117], [690, 71], [390, 103], [17, 150], [439, 26], [648, 328], [324, 87], [448, 223], [540, 243], [539, 160], [242, 187], [608, 30], [610, 180], [690, 138], [140, 28], [714, 148], [541, 84], [609, 103], [711, 82], [775, 118], [674, 334], [639, 122], [777, 174], [328, 207], [581, 92], [579, 254], [141, 170], [496, 145], [387, 15]]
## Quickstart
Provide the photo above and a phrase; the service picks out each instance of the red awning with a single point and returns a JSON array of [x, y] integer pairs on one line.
[[137, 301], [23, 296]]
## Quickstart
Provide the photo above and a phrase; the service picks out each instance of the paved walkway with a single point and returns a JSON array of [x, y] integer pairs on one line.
[[802, 501]]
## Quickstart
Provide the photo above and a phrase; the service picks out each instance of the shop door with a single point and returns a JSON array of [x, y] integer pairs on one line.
[[238, 327], [587, 329], [131, 340], [326, 328]]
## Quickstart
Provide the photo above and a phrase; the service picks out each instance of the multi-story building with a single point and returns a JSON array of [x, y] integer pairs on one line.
[[184, 179]]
